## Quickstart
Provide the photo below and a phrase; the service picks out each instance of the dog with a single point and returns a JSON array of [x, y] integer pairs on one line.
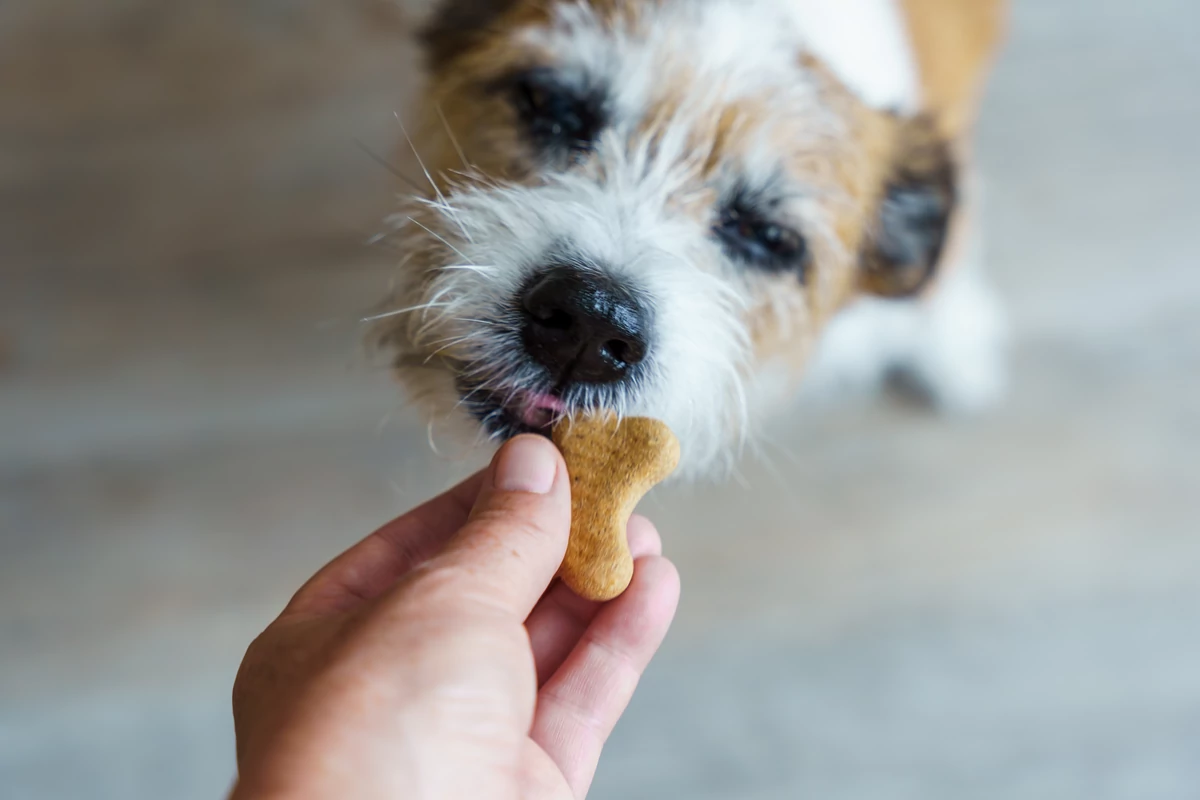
[[692, 210]]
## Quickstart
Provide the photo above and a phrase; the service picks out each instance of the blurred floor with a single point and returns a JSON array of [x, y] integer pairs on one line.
[[891, 606]]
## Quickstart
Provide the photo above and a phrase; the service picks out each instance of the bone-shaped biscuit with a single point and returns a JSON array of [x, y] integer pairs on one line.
[[612, 464]]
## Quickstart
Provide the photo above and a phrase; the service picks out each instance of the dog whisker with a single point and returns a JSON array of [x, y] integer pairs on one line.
[[407, 310], [450, 135], [439, 238], [443, 207], [429, 436], [386, 165], [477, 268], [429, 177]]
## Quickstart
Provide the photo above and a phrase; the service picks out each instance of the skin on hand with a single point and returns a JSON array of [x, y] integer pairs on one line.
[[430, 661]]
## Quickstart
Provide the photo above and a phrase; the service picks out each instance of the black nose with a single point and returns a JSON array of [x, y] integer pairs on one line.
[[583, 326]]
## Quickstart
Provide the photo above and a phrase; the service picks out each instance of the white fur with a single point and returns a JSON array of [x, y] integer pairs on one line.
[[953, 343], [725, 48], [497, 237], [866, 44], [746, 44]]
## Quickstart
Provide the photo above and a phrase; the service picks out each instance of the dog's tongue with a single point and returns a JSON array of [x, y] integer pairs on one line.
[[539, 410]]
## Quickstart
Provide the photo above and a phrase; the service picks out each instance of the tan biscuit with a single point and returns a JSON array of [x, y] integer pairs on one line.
[[612, 463]]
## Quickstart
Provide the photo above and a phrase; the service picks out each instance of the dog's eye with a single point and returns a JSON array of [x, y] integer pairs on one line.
[[556, 116], [755, 239]]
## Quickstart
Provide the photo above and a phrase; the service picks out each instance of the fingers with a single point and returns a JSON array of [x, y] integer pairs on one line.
[[371, 567], [505, 556], [561, 616], [540, 778], [580, 704]]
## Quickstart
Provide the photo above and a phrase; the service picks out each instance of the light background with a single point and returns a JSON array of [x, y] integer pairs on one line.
[[894, 607]]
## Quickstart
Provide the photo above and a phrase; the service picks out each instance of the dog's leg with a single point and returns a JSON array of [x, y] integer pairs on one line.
[[956, 353], [948, 345]]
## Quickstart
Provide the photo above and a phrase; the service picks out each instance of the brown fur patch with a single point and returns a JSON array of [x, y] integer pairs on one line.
[[853, 167]]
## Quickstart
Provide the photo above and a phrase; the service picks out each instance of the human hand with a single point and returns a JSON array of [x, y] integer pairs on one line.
[[430, 661]]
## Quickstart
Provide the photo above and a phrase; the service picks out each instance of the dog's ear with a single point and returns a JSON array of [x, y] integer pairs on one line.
[[904, 240], [455, 26]]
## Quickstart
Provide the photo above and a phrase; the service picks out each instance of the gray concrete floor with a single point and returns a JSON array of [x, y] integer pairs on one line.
[[890, 606]]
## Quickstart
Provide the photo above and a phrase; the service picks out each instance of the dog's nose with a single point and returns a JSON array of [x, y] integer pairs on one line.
[[583, 326]]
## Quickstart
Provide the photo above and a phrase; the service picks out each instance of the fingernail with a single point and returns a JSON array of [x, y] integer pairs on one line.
[[526, 464]]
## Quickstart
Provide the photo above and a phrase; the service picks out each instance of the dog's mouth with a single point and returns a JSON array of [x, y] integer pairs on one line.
[[507, 414]]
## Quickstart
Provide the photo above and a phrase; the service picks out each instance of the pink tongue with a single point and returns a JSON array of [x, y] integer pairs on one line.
[[539, 410]]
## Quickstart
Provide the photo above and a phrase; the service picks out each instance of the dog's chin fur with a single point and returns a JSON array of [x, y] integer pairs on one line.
[[783, 101]]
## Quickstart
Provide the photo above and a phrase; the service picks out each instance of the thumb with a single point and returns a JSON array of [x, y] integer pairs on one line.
[[516, 536]]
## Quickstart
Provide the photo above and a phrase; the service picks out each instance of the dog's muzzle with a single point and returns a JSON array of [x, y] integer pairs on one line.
[[583, 327], [584, 338]]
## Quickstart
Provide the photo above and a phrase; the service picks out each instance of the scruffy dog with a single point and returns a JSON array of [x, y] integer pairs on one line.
[[679, 208]]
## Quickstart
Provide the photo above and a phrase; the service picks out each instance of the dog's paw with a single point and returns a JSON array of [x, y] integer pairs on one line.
[[947, 351], [957, 359]]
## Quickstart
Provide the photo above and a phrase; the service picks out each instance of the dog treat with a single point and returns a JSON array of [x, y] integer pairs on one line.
[[612, 464]]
